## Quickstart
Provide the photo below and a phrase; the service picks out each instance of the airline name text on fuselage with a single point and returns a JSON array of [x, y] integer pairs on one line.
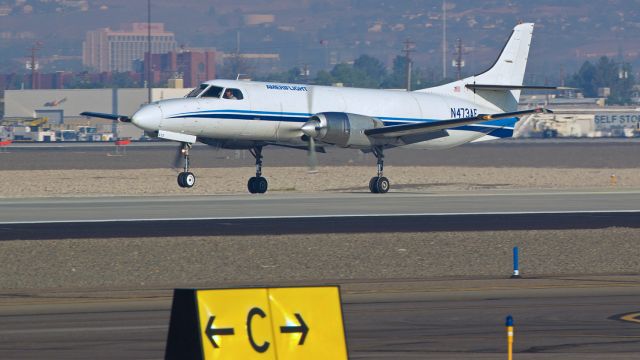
[[286, 87]]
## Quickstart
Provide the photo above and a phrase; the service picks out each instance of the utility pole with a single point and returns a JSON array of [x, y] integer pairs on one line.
[[33, 64], [444, 39], [458, 63], [409, 47], [304, 72], [238, 43], [149, 51]]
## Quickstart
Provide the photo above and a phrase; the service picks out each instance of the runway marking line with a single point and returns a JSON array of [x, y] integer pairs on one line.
[[494, 288], [238, 196], [83, 329], [633, 317], [324, 216]]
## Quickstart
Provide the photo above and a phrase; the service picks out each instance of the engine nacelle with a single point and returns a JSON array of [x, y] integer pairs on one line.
[[344, 129]]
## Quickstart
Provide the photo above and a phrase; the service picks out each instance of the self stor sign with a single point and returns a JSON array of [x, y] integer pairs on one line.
[[257, 323], [616, 120]]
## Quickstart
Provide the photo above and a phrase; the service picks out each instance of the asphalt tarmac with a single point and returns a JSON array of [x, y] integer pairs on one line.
[[582, 153], [38, 219], [568, 318], [315, 205], [393, 311]]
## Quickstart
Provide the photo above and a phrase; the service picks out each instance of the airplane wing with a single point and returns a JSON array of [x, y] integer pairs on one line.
[[438, 125], [122, 118]]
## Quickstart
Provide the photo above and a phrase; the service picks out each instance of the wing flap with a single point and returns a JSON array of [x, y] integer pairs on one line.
[[433, 126], [514, 87]]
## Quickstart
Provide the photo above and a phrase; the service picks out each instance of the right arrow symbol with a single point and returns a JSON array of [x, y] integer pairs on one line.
[[211, 332], [300, 329]]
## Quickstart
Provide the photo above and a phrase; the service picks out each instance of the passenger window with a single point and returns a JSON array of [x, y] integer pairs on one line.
[[212, 92], [232, 94]]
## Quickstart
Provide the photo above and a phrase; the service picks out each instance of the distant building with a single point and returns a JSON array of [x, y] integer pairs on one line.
[[108, 50], [193, 66], [61, 109]]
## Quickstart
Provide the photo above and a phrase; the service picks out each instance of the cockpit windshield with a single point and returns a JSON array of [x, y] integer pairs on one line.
[[195, 92]]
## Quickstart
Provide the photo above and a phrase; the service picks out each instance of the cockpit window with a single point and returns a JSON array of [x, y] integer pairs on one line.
[[212, 92], [232, 94], [195, 92]]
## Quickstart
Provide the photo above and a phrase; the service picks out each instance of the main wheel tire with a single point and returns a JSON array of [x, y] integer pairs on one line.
[[261, 185], [372, 184], [181, 180], [382, 185], [188, 179], [251, 185]]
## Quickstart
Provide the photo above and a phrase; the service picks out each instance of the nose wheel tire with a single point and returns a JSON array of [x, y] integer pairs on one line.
[[257, 185], [186, 179], [379, 185]]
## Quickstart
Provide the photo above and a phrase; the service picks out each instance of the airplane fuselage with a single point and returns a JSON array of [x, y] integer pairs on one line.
[[274, 112]]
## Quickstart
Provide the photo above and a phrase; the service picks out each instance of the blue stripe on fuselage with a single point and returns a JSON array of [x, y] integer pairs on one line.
[[498, 128]]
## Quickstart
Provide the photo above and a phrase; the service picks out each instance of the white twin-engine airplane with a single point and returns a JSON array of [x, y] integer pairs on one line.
[[251, 115]]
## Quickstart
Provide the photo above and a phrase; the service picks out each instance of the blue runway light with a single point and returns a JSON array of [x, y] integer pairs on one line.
[[516, 266], [509, 321]]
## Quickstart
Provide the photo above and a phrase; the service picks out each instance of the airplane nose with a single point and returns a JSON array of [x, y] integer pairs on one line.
[[148, 117]]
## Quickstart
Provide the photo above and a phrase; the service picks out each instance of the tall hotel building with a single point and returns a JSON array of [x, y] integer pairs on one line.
[[115, 50]]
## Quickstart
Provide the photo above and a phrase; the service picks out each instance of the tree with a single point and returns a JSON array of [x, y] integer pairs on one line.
[[585, 79], [292, 75], [372, 67], [397, 78], [324, 78], [606, 73]]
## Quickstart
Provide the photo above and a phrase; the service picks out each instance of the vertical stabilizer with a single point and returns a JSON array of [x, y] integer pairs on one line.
[[512, 62], [508, 70]]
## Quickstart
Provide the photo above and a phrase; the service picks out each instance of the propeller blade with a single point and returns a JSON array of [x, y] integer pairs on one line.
[[312, 158], [177, 160]]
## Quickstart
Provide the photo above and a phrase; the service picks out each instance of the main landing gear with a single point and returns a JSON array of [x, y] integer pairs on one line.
[[379, 184], [186, 179], [257, 184]]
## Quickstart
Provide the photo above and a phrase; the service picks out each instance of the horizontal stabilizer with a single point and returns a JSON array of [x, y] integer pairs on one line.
[[514, 87], [121, 118], [432, 126]]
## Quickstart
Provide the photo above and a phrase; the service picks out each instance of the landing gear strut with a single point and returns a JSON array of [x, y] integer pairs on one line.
[[257, 184], [379, 184], [186, 179]]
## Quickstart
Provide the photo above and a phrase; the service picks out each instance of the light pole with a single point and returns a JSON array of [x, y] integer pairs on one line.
[[149, 51]]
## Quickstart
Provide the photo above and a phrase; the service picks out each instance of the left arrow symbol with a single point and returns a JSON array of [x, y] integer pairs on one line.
[[211, 332]]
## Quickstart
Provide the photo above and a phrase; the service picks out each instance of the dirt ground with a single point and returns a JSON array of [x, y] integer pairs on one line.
[[71, 183]]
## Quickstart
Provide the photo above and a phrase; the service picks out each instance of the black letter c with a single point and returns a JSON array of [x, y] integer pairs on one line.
[[253, 312]]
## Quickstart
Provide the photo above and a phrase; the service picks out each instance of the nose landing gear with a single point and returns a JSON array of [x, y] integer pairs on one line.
[[186, 179]]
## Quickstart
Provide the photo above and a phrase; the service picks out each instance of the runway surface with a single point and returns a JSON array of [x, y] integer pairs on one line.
[[568, 318], [391, 309], [582, 153], [278, 214]]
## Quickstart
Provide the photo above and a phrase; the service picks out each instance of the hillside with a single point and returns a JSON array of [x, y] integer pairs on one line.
[[318, 32]]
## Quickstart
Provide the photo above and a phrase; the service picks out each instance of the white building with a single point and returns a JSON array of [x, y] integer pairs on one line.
[[115, 50]]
